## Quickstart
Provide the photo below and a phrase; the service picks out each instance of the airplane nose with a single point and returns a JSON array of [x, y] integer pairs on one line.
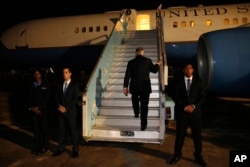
[[8, 38]]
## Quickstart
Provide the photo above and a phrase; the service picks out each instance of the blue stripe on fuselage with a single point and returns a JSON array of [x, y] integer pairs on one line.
[[84, 56]]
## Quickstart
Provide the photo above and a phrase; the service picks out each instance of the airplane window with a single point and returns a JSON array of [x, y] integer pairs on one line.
[[175, 24], [90, 29], [84, 29], [105, 28], [208, 22], [235, 21], [192, 23], [76, 29], [244, 20], [98, 28], [226, 21], [183, 24]]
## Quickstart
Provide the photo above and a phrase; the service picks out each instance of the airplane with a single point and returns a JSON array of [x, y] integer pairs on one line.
[[215, 37]]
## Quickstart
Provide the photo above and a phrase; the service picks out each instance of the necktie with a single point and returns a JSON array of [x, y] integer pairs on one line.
[[36, 84], [65, 87], [188, 86]]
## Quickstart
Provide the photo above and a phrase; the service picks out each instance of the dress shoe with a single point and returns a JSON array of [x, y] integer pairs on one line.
[[39, 152], [44, 150], [143, 128], [201, 162], [74, 155], [57, 153], [136, 115], [175, 159], [34, 151]]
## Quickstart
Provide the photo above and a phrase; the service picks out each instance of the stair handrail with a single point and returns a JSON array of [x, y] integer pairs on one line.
[[93, 93], [161, 50], [163, 71]]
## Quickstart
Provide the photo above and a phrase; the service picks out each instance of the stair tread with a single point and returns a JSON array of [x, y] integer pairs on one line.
[[122, 83], [128, 99], [128, 139], [123, 107], [123, 128], [125, 117]]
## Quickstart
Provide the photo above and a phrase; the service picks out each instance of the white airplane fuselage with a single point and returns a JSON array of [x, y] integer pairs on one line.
[[50, 40], [181, 25], [222, 54]]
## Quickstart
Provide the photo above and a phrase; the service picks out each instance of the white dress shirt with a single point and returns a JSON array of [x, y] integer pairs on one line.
[[186, 78], [65, 88]]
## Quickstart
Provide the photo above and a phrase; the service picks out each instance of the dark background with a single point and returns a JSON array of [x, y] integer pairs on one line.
[[13, 12]]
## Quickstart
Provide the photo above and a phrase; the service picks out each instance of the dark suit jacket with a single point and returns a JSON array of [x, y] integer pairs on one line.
[[137, 74], [39, 96], [196, 97], [70, 98]]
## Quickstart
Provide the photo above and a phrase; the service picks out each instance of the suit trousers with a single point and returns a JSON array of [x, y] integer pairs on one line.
[[41, 131], [70, 121], [143, 99], [183, 121]]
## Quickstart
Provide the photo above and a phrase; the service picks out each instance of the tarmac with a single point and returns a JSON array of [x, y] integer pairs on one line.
[[225, 128]]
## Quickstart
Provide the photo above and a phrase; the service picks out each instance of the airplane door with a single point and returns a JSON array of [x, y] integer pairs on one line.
[[143, 22], [21, 38]]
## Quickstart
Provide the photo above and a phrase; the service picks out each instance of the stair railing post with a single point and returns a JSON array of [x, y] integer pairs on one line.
[[163, 71]]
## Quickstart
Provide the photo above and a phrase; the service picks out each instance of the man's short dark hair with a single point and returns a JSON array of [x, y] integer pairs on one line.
[[68, 69], [41, 71], [184, 66], [37, 69]]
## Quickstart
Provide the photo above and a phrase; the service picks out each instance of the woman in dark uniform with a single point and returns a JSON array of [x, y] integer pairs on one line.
[[39, 94]]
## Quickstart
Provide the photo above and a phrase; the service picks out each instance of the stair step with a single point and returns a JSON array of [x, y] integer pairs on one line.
[[126, 111], [132, 140], [110, 87], [119, 102], [149, 54], [125, 121], [122, 74], [133, 47], [136, 36], [142, 39], [117, 69], [143, 32], [117, 133], [124, 128], [126, 59], [119, 94], [140, 42], [131, 51], [121, 80], [120, 64]]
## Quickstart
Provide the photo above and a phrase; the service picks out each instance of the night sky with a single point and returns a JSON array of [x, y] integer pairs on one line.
[[13, 12]]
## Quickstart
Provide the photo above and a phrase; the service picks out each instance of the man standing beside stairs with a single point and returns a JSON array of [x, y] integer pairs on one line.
[[137, 82]]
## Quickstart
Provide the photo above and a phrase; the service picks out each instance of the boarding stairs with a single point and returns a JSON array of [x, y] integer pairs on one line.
[[107, 113], [116, 119]]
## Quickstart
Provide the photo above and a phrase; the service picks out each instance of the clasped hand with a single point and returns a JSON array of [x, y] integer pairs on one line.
[[189, 108], [62, 109], [36, 110]]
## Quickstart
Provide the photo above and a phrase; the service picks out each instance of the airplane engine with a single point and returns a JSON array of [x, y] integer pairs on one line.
[[223, 61]]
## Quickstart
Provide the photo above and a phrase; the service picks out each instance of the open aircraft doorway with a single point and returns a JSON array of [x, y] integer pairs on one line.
[[143, 22]]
